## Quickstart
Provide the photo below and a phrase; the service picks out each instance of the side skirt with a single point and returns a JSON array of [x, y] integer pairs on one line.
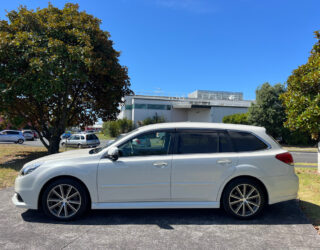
[[151, 205]]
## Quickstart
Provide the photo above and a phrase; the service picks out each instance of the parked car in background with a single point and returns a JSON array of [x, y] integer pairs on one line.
[[186, 165], [15, 136], [81, 141], [66, 135], [28, 135]]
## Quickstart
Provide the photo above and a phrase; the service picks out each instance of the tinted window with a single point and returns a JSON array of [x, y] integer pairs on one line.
[[12, 133], [154, 143], [244, 142], [225, 143], [92, 137], [195, 143], [82, 137]]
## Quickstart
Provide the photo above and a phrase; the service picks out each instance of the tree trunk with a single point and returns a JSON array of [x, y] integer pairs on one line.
[[54, 144], [319, 157]]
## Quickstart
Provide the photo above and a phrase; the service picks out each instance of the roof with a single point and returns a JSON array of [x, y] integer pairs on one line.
[[201, 125]]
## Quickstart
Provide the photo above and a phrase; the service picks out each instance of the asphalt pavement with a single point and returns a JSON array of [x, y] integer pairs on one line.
[[282, 226]]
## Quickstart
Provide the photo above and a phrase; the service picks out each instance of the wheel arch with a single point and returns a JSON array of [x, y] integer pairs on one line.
[[60, 177], [247, 177]]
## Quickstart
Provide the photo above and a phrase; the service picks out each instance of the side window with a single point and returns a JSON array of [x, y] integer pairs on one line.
[[76, 137], [154, 143], [197, 143], [225, 143], [244, 142], [82, 137]]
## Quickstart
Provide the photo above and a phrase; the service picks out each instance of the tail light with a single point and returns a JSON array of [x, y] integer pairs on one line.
[[286, 158]]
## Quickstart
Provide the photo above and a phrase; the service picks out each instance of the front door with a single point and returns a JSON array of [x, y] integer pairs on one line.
[[142, 172]]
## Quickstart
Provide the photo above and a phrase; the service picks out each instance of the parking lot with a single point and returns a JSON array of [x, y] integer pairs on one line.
[[282, 226]]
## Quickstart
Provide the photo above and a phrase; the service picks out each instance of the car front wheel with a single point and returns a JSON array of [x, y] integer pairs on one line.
[[20, 141], [244, 198], [64, 199]]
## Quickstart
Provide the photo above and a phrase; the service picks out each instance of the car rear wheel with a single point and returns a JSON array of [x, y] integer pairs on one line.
[[244, 198], [79, 146], [20, 141], [64, 199]]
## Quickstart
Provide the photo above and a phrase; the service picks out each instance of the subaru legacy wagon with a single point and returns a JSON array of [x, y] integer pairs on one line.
[[171, 165]]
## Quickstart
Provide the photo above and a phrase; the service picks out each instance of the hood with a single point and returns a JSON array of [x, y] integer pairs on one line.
[[65, 155]]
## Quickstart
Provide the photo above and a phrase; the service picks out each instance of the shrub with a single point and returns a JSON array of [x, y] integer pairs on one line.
[[241, 118], [115, 128], [152, 120]]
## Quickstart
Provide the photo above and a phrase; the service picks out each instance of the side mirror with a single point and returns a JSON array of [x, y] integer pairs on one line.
[[113, 153]]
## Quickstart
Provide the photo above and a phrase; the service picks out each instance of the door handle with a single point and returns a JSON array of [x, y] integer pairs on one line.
[[160, 164], [224, 161]]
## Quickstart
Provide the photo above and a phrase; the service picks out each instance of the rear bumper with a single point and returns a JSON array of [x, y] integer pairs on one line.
[[281, 188]]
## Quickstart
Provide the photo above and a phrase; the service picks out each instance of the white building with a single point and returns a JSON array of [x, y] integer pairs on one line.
[[199, 106]]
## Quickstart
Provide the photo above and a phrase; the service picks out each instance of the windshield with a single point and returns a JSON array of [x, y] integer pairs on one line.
[[99, 149]]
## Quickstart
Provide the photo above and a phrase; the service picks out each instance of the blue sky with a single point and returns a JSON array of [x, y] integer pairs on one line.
[[173, 47]]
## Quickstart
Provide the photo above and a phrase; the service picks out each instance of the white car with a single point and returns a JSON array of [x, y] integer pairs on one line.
[[187, 165], [81, 141]]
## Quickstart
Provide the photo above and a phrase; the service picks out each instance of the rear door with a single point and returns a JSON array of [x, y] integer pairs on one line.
[[202, 160]]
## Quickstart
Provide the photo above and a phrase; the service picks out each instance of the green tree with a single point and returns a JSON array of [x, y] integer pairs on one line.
[[268, 110], [58, 69], [241, 118], [302, 99]]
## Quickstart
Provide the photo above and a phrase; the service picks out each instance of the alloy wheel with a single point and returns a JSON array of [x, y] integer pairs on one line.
[[64, 201], [244, 200]]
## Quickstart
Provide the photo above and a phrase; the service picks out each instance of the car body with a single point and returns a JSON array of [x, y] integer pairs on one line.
[[81, 141], [66, 135], [15, 136], [28, 135], [187, 165]]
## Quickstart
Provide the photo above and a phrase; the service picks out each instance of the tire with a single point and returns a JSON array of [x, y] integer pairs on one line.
[[79, 146], [20, 141], [62, 144], [244, 207], [65, 209]]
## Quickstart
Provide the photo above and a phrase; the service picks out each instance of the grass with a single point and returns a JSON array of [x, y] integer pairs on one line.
[[309, 194], [102, 136], [12, 158]]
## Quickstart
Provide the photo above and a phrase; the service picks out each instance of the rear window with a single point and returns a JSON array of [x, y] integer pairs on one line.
[[92, 137], [195, 143], [244, 142]]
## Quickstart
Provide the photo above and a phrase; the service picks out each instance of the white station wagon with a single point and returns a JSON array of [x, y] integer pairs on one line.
[[169, 165]]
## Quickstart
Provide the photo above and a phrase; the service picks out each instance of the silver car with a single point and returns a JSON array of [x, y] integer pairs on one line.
[[28, 135], [15, 136], [81, 141]]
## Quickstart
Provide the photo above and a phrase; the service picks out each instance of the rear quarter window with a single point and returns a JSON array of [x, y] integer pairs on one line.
[[246, 142]]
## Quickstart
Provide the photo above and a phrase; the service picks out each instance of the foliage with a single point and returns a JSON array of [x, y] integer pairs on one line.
[[152, 120], [58, 69], [302, 99], [115, 128], [241, 118], [268, 111]]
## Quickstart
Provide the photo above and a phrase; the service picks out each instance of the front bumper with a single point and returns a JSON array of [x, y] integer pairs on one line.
[[24, 186]]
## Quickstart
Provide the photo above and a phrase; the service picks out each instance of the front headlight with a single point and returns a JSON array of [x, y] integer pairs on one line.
[[30, 168]]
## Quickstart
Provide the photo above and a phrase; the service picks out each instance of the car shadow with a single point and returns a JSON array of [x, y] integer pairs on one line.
[[21, 158], [278, 214]]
